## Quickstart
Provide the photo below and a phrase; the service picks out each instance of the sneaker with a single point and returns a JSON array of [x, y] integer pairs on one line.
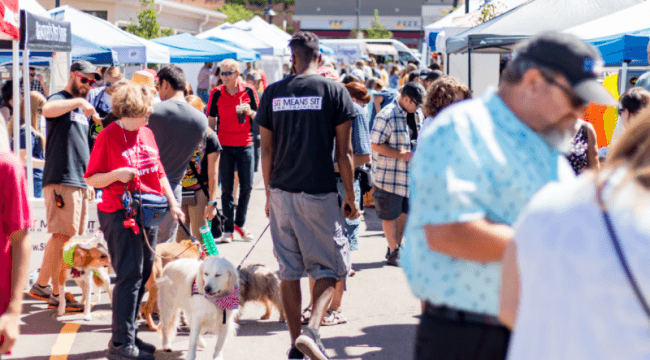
[[387, 252], [71, 305], [393, 257], [333, 317], [295, 354], [141, 345], [127, 352], [306, 314], [40, 292], [245, 234], [227, 237], [309, 344]]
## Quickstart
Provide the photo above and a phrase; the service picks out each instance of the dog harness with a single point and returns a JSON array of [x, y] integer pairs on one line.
[[68, 259], [228, 302]]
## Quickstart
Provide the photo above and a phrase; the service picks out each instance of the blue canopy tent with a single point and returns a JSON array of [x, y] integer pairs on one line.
[[324, 49], [185, 48], [243, 53], [630, 48]]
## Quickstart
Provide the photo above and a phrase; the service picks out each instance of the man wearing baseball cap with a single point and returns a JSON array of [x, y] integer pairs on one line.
[[392, 139], [64, 188], [475, 169]]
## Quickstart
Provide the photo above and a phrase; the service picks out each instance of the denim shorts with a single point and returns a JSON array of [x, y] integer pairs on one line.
[[390, 206], [308, 235]]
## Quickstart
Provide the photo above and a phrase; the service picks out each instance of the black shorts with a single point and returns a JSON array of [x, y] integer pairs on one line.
[[390, 206]]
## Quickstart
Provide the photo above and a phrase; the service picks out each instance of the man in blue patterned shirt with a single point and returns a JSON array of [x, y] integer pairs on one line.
[[474, 171]]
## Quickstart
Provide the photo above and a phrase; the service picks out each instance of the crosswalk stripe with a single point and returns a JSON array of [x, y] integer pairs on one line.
[[64, 341]]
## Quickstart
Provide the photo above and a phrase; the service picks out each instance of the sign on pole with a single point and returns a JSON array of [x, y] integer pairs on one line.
[[45, 34]]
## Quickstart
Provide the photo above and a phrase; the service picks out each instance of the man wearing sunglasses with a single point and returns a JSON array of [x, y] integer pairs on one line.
[[475, 169], [100, 99], [64, 188], [36, 83]]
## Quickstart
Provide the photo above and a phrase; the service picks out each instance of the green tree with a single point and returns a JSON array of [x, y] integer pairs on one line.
[[377, 29], [488, 11], [235, 12], [148, 26]]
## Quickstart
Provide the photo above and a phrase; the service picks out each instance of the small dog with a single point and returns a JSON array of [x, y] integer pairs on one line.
[[258, 283], [207, 292], [87, 262], [182, 250]]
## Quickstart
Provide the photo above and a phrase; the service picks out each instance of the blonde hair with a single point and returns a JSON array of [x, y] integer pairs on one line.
[[114, 71], [131, 100], [229, 63], [196, 102], [631, 149], [36, 102]]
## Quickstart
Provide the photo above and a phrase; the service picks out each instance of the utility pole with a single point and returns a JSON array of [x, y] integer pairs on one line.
[[359, 34]]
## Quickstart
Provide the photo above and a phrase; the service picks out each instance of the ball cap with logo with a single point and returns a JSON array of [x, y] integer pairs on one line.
[[85, 67], [578, 61]]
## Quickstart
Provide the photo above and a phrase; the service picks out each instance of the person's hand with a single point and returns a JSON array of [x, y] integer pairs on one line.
[[87, 109], [177, 213], [354, 208], [125, 174], [9, 331], [40, 78], [378, 99], [406, 155], [210, 212], [245, 108], [95, 117], [91, 194]]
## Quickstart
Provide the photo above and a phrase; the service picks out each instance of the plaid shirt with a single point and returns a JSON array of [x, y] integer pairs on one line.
[[35, 85], [390, 128]]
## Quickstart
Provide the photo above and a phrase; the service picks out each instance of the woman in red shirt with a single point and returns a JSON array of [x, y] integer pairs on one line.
[[125, 156]]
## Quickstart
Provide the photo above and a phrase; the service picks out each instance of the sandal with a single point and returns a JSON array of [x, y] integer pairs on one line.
[[333, 317], [306, 315]]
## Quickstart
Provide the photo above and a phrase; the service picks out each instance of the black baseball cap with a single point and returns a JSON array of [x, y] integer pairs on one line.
[[431, 75], [414, 90], [85, 67], [579, 62]]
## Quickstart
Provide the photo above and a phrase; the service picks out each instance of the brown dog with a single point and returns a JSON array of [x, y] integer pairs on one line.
[[168, 250], [258, 283]]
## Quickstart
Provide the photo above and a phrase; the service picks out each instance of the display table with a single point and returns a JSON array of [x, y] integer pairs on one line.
[[39, 235]]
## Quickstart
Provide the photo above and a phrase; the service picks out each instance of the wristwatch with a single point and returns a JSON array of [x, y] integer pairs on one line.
[[213, 203]]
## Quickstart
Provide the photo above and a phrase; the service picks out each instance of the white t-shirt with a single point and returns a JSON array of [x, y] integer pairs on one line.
[[576, 302]]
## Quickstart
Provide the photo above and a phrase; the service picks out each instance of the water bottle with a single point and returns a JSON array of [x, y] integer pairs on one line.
[[208, 240]]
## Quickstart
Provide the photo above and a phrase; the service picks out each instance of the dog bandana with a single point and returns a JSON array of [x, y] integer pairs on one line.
[[228, 302]]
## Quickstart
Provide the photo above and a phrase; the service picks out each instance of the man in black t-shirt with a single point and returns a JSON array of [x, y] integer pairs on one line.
[[64, 188], [179, 128], [299, 118]]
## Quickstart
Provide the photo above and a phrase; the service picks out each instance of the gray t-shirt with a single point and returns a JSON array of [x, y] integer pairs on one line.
[[644, 81], [179, 128]]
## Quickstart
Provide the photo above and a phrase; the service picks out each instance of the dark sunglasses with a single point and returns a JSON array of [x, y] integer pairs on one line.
[[576, 101], [620, 111], [85, 80], [227, 73], [107, 84], [32, 74]]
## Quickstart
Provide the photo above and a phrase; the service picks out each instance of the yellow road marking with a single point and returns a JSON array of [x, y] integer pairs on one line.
[[64, 341]]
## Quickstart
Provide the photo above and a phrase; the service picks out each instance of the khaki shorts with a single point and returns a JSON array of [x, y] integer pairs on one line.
[[71, 219]]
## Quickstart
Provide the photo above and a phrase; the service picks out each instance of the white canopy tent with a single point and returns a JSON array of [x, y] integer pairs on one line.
[[629, 20]]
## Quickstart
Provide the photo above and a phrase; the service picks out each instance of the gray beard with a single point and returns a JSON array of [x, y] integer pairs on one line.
[[561, 140]]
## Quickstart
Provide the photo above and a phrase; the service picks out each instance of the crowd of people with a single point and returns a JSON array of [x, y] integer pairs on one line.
[[510, 251]]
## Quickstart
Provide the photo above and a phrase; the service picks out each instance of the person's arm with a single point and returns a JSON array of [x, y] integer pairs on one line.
[[266, 146], [9, 321], [390, 152], [36, 163], [46, 90], [102, 180], [344, 161], [213, 183], [593, 162], [478, 240], [509, 293], [56, 108], [175, 209], [360, 160]]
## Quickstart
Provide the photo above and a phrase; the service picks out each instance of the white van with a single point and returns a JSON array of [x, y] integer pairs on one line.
[[351, 50]]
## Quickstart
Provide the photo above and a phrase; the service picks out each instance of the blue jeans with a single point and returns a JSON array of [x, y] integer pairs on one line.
[[38, 188], [351, 226], [204, 95], [241, 159]]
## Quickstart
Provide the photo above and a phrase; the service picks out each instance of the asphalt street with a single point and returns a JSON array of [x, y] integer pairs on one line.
[[381, 311]]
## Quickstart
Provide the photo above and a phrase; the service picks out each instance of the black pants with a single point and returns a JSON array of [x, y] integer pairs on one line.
[[443, 339], [132, 261], [240, 158]]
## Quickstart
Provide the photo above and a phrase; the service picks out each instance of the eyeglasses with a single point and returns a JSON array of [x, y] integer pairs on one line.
[[576, 101], [32, 74], [620, 111], [227, 73], [85, 80]]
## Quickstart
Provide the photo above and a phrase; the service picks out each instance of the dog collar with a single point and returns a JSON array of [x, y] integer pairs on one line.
[[228, 302]]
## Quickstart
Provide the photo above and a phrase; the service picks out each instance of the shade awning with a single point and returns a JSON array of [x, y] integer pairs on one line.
[[381, 49]]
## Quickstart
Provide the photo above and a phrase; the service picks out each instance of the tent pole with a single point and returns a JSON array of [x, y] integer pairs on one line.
[[448, 56], [28, 123], [469, 68], [623, 78], [16, 97]]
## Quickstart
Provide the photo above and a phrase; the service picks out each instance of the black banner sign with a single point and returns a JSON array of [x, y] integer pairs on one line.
[[45, 34]]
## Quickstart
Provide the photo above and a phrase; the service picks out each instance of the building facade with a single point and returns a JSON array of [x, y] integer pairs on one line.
[[337, 18]]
